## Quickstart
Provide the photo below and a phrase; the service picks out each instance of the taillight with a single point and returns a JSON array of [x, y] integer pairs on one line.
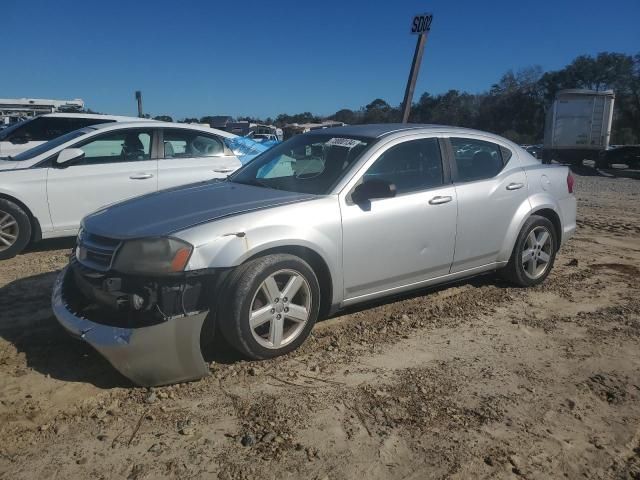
[[570, 182]]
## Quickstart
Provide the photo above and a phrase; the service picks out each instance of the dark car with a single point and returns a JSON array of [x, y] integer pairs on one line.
[[628, 155]]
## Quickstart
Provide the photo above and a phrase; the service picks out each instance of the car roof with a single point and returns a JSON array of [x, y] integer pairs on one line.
[[96, 116], [378, 130], [142, 123]]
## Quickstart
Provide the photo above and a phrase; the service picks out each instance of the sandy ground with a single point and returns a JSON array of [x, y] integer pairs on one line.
[[473, 380]]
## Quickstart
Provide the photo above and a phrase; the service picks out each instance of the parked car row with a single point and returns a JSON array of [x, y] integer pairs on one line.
[[325, 220], [45, 191]]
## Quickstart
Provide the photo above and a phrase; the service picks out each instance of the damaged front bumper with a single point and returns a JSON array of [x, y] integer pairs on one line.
[[159, 353]]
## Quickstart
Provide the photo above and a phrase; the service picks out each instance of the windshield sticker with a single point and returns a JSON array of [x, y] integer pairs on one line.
[[344, 142]]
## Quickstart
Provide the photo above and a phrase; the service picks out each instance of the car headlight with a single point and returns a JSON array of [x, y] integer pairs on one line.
[[152, 256]]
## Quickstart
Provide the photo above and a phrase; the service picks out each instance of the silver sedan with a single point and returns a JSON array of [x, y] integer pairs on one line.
[[324, 220]]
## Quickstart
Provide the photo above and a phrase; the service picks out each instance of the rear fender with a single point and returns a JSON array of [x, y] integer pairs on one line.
[[535, 203], [521, 215]]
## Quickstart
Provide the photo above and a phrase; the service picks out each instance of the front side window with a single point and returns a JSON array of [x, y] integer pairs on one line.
[[411, 166], [190, 144], [477, 159], [310, 163], [119, 146], [50, 145]]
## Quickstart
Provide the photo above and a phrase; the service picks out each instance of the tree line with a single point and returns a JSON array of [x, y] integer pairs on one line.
[[515, 106]]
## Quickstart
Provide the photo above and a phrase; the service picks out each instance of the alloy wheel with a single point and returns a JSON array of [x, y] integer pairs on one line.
[[537, 252], [280, 309], [9, 230]]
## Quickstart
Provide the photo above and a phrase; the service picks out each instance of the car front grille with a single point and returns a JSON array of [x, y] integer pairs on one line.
[[95, 251]]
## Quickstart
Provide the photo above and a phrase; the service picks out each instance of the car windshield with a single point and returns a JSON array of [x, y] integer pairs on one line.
[[310, 163], [35, 151], [4, 133]]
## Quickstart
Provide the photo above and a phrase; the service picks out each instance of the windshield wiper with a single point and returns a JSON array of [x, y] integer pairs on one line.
[[257, 183]]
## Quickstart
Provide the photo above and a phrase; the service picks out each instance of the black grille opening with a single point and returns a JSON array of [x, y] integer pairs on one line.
[[96, 251]]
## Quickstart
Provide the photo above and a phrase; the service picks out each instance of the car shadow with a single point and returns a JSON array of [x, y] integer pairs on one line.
[[27, 322], [64, 243], [481, 280], [591, 171]]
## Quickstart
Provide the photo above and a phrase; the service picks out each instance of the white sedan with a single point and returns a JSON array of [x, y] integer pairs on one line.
[[46, 191], [23, 136]]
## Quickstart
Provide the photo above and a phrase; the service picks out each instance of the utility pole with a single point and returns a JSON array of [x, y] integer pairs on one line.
[[139, 100], [421, 25]]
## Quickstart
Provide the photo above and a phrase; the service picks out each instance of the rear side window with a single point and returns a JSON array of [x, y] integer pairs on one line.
[[43, 129], [190, 144], [411, 166], [477, 159]]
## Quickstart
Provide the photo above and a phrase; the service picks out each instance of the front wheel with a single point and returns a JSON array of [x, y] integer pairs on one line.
[[533, 254], [270, 306], [15, 229]]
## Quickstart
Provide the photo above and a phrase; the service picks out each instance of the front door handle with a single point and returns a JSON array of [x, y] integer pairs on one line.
[[515, 186], [141, 176], [224, 170], [439, 200]]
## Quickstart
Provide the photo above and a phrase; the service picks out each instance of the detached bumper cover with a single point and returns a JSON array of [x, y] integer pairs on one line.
[[168, 352]]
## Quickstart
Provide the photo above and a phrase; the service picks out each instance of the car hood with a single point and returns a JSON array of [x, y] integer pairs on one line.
[[177, 209], [6, 164]]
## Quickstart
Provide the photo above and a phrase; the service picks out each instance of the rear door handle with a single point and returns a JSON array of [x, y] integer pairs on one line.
[[141, 176], [440, 200], [515, 186], [224, 170]]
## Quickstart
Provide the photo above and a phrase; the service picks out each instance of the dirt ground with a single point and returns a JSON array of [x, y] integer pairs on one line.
[[472, 380]]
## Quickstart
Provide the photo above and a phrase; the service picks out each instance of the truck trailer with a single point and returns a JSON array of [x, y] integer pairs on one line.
[[578, 126]]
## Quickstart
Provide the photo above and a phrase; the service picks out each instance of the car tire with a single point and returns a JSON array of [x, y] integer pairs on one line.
[[258, 317], [15, 229], [533, 254]]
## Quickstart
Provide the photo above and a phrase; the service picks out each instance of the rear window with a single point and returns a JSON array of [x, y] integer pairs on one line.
[[43, 129], [35, 151], [478, 159]]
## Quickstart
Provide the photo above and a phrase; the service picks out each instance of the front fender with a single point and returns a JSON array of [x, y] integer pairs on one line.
[[230, 242], [28, 187], [234, 249]]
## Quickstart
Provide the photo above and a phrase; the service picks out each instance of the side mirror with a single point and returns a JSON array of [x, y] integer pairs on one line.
[[68, 155], [372, 189]]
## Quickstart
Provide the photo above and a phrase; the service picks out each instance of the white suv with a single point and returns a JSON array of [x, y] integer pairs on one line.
[[36, 131], [45, 191]]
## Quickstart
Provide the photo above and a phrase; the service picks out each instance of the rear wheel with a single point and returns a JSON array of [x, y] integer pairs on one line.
[[270, 306], [533, 254], [15, 229]]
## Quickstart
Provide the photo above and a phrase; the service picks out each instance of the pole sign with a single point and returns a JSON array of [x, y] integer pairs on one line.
[[421, 23]]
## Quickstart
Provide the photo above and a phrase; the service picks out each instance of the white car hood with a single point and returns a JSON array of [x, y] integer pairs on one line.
[[6, 164]]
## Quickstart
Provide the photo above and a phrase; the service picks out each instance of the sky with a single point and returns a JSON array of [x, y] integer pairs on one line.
[[258, 58]]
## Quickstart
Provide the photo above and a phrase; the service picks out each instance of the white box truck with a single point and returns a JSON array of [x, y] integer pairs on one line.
[[578, 126]]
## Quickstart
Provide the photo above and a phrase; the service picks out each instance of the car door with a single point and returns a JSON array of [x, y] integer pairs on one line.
[[117, 165], [393, 243], [490, 189], [191, 156]]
